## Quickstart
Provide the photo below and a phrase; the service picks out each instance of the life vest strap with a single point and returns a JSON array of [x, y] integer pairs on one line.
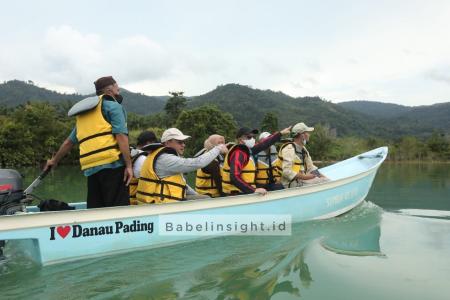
[[204, 187], [159, 195], [94, 136], [229, 182], [134, 158], [162, 182], [243, 171], [99, 150]]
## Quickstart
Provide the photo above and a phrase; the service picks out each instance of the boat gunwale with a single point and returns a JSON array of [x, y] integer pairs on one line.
[[55, 218]]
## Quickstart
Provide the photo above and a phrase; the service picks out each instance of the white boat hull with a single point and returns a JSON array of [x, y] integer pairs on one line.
[[54, 237]]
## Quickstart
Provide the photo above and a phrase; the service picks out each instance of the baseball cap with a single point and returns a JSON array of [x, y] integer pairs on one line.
[[300, 128], [245, 130], [173, 134]]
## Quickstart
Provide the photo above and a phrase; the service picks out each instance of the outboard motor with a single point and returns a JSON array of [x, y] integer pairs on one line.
[[12, 197]]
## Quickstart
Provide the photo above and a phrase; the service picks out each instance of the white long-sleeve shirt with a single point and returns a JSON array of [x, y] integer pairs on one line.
[[289, 155], [170, 164]]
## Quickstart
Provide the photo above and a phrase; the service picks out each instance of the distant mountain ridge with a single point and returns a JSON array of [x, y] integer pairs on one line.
[[248, 106], [426, 117], [376, 109], [16, 92]]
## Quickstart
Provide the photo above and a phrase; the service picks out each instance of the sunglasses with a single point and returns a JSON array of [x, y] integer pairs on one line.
[[249, 136]]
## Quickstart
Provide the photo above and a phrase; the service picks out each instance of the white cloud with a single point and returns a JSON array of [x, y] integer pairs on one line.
[[439, 75], [385, 51], [68, 58]]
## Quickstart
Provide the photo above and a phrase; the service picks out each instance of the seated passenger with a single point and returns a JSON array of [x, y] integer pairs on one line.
[[297, 168], [146, 141], [267, 174], [208, 180], [162, 178], [239, 169]]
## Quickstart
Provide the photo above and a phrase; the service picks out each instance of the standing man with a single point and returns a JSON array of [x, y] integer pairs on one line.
[[102, 135]]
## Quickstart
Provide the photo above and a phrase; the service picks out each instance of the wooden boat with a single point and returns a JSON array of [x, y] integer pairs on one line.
[[54, 237]]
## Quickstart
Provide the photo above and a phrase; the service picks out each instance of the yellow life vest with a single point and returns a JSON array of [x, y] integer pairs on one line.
[[152, 189], [248, 172], [133, 190], [298, 166], [204, 183], [98, 146], [134, 181], [264, 170]]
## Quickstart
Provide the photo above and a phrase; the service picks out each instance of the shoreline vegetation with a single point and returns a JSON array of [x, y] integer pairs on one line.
[[32, 132]]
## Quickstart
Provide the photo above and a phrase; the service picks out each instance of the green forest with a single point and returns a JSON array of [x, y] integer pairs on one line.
[[30, 133]]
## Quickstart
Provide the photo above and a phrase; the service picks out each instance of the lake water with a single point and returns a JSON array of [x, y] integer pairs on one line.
[[396, 245]]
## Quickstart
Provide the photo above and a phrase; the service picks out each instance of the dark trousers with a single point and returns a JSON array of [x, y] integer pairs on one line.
[[106, 188]]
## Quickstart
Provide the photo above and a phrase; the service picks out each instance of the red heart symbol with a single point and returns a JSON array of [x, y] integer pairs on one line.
[[63, 231]]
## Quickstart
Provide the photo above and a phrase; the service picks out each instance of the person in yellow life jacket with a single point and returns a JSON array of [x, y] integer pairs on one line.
[[208, 180], [162, 178], [297, 168], [146, 142], [267, 175], [102, 135], [239, 169]]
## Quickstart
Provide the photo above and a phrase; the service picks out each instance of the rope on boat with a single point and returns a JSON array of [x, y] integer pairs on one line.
[[378, 155]]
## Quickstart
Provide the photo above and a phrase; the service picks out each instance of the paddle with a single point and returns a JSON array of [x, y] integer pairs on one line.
[[37, 181]]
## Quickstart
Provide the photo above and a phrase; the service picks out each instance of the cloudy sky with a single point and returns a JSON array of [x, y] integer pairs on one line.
[[392, 51]]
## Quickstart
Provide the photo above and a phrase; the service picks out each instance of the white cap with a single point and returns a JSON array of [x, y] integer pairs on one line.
[[263, 135], [173, 134], [300, 128]]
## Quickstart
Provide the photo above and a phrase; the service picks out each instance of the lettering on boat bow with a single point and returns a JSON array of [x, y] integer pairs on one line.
[[332, 201], [118, 227]]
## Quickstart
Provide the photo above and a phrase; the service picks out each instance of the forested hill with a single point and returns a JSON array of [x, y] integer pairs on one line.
[[404, 118], [15, 92], [376, 109], [248, 107]]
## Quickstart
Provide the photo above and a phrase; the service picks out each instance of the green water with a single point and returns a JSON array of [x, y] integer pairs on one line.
[[396, 245]]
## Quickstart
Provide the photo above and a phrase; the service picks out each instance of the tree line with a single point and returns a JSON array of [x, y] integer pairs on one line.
[[32, 132]]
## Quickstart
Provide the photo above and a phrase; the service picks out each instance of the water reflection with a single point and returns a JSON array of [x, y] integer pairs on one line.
[[357, 240]]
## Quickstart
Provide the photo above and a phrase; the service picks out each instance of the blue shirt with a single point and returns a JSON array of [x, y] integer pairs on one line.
[[115, 115]]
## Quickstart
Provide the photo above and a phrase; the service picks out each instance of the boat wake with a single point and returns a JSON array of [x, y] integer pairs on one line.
[[426, 213]]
